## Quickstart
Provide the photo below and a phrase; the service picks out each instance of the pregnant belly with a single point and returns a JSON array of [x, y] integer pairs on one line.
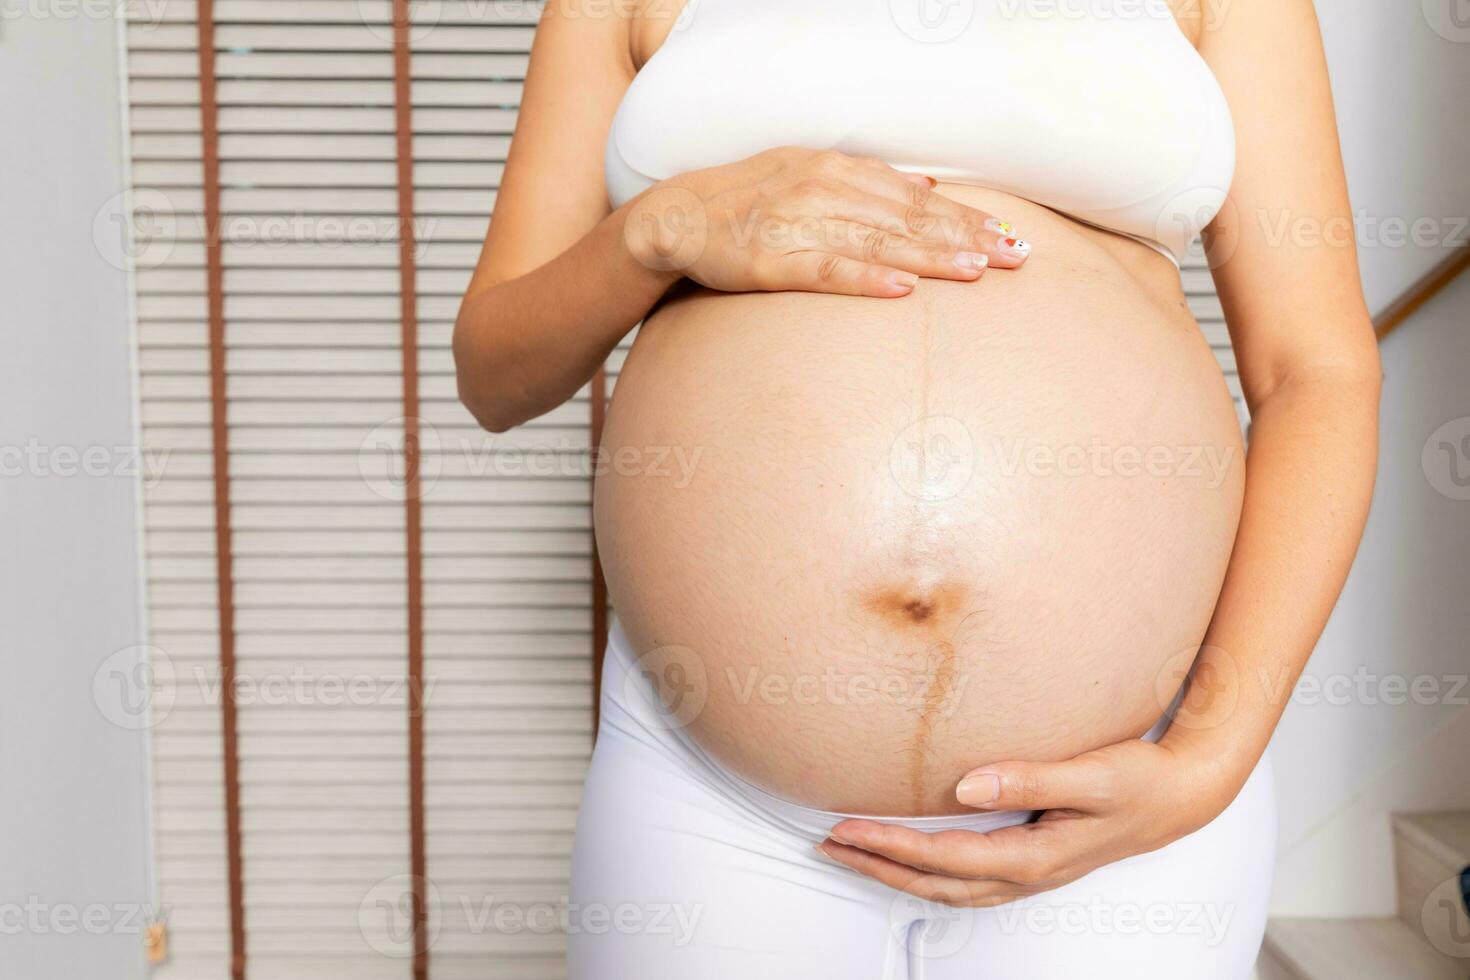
[[887, 541]]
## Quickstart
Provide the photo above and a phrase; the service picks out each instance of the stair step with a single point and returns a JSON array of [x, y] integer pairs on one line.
[[1353, 949], [1429, 852], [1446, 834]]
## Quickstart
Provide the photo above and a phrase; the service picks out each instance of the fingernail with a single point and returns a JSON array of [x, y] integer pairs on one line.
[[1013, 247], [905, 279], [978, 790], [1003, 227], [972, 260]]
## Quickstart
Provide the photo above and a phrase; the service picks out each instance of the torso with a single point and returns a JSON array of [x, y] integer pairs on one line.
[[983, 522]]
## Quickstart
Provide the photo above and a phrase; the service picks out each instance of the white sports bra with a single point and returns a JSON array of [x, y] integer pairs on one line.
[[1099, 109]]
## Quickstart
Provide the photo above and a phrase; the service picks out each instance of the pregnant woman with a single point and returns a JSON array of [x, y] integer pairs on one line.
[[951, 646]]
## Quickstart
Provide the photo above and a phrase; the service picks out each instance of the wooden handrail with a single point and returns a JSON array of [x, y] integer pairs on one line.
[[1421, 292]]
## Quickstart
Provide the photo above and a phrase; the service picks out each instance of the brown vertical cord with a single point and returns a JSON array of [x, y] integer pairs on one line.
[[223, 547], [413, 512], [599, 584]]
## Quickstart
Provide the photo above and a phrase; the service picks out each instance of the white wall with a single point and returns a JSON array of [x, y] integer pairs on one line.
[[1354, 748], [72, 783], [1400, 72]]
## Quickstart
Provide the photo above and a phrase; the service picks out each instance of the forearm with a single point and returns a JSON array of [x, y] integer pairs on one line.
[[525, 345], [1309, 479]]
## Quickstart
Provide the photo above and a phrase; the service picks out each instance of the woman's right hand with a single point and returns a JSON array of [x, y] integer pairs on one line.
[[814, 221]]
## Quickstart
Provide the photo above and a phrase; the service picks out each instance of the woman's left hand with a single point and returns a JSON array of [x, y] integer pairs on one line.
[[1105, 805]]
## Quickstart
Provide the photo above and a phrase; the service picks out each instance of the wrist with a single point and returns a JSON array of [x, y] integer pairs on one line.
[[662, 233], [1220, 757]]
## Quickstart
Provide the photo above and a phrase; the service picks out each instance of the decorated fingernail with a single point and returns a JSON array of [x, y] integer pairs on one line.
[[1002, 227], [1013, 247], [972, 260]]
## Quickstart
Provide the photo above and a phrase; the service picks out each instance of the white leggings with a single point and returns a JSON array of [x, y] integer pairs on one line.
[[683, 871]]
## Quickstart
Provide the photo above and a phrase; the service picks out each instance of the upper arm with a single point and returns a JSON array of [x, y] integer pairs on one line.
[[1283, 249], [552, 192]]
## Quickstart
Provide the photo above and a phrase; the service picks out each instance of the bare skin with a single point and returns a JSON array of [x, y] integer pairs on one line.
[[559, 283]]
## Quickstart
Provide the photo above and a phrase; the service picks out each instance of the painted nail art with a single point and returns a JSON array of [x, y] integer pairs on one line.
[[1002, 227], [1014, 247], [971, 260]]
